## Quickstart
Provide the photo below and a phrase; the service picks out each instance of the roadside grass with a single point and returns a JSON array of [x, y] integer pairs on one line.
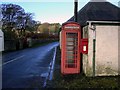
[[80, 80]]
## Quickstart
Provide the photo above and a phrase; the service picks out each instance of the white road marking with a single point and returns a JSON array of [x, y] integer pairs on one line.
[[13, 60], [44, 74], [51, 66]]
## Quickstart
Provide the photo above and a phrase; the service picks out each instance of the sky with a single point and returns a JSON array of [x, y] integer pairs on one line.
[[51, 11]]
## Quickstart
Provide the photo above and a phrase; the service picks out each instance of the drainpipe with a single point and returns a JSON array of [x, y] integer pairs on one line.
[[94, 45], [93, 28]]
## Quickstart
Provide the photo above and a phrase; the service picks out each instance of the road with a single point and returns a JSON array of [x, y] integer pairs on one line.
[[27, 68]]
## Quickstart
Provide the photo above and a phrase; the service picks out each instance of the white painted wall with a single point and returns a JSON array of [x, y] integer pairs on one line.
[[87, 58], [106, 59], [1, 41], [0, 70], [1, 49], [106, 50], [60, 39], [119, 50]]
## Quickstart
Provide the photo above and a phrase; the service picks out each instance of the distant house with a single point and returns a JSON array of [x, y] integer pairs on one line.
[[100, 22], [43, 28], [49, 28]]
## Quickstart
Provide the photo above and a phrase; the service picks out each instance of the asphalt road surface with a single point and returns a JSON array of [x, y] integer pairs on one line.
[[27, 68]]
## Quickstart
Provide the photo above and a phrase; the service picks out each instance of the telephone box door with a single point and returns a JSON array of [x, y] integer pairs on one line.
[[70, 61]]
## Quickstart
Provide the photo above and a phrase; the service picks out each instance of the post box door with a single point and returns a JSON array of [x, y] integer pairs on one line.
[[71, 52], [84, 46]]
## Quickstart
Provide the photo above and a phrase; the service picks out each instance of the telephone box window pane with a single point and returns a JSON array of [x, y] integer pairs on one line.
[[71, 65], [71, 57], [71, 50]]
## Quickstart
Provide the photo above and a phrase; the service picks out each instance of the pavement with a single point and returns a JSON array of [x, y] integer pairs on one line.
[[28, 68]]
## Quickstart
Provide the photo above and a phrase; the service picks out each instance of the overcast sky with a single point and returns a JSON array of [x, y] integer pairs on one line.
[[52, 11]]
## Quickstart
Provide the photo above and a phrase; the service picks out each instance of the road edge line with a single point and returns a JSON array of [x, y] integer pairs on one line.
[[52, 66], [50, 74]]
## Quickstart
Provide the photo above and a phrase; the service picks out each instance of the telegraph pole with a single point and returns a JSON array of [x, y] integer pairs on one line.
[[75, 10]]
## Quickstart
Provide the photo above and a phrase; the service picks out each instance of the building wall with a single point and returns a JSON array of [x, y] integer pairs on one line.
[[1, 70], [1, 41], [106, 55], [60, 39], [106, 60], [119, 50], [87, 58]]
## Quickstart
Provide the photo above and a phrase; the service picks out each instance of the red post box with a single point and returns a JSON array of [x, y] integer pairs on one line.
[[70, 48], [84, 46]]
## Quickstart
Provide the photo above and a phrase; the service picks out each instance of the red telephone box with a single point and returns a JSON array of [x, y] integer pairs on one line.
[[70, 48]]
